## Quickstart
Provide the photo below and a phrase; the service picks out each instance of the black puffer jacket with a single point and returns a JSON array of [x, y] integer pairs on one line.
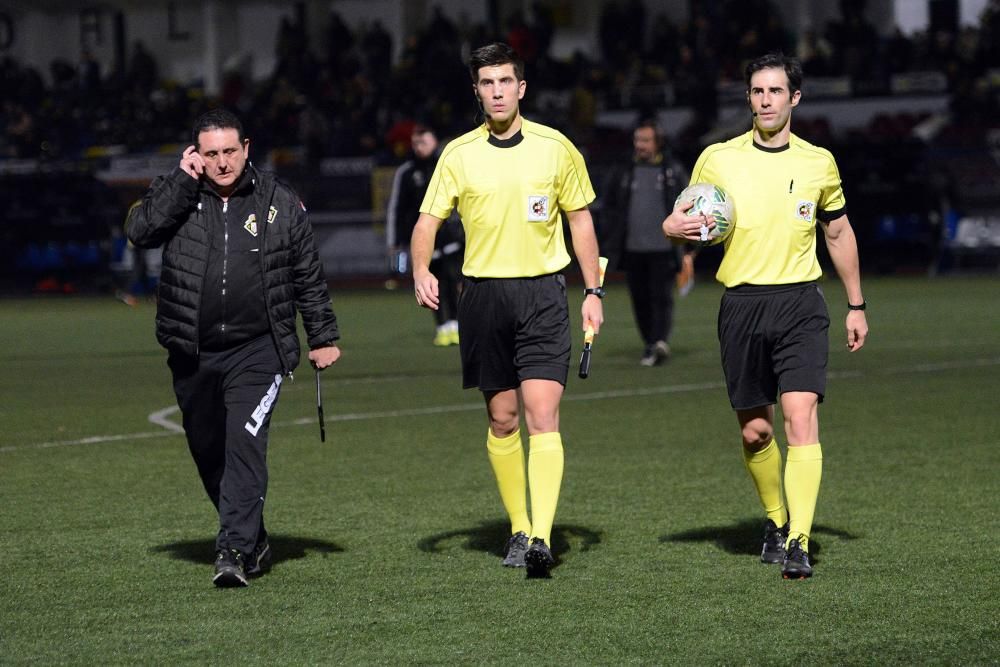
[[176, 213]]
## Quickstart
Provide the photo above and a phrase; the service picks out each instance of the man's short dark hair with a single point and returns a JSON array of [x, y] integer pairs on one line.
[[423, 128], [492, 55], [650, 122], [777, 60], [217, 119]]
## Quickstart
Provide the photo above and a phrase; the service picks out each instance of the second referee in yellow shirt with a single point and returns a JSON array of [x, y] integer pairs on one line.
[[773, 321], [509, 179]]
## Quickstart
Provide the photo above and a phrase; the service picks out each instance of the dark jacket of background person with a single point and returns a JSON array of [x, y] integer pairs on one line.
[[177, 212], [615, 202], [409, 187]]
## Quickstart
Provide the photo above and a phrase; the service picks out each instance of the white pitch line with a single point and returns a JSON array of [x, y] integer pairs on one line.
[[170, 428], [93, 440], [160, 419]]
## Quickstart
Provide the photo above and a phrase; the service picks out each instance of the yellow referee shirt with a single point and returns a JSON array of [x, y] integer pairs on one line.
[[779, 193], [509, 194]]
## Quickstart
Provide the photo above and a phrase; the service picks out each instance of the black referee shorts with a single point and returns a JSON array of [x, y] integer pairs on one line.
[[774, 339], [513, 329]]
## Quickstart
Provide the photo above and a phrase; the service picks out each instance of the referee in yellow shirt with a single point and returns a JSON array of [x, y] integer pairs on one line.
[[509, 179], [773, 320]]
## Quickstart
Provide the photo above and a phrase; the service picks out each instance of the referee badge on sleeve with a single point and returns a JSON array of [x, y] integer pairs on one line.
[[538, 208]]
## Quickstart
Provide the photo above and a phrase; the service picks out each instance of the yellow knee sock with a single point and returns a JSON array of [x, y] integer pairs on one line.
[[764, 467], [507, 459], [803, 472], [545, 468]]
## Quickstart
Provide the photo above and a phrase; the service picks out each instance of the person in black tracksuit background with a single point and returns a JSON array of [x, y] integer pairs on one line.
[[637, 198], [239, 261], [408, 188]]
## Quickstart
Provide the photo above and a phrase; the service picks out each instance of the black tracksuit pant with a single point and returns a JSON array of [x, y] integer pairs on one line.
[[650, 277], [448, 270], [227, 398]]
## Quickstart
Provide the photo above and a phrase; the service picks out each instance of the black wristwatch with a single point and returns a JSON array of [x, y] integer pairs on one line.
[[861, 306], [596, 291]]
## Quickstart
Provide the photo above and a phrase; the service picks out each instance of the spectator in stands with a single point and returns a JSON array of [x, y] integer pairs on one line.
[[989, 34], [854, 39], [89, 76], [138, 270], [816, 53], [339, 40], [143, 72], [21, 131], [377, 47], [344, 81]]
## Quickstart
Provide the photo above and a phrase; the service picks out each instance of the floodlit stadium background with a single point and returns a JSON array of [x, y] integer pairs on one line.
[[386, 536], [99, 99]]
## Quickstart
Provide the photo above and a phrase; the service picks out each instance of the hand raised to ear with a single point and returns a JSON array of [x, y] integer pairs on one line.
[[192, 163]]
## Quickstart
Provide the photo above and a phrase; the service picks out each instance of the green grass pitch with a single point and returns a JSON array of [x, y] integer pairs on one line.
[[386, 537]]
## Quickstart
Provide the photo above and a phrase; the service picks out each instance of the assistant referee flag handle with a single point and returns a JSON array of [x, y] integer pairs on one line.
[[319, 408], [588, 336]]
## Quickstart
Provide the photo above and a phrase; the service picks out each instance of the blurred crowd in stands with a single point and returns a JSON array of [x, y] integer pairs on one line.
[[347, 96]]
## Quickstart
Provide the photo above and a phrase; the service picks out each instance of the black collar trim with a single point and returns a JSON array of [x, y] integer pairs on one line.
[[509, 142], [769, 149]]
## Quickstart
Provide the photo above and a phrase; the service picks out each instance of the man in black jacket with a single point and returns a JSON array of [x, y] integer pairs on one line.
[[408, 188], [238, 262], [636, 200]]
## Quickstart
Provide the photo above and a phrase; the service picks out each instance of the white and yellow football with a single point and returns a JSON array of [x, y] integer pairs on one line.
[[714, 203]]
